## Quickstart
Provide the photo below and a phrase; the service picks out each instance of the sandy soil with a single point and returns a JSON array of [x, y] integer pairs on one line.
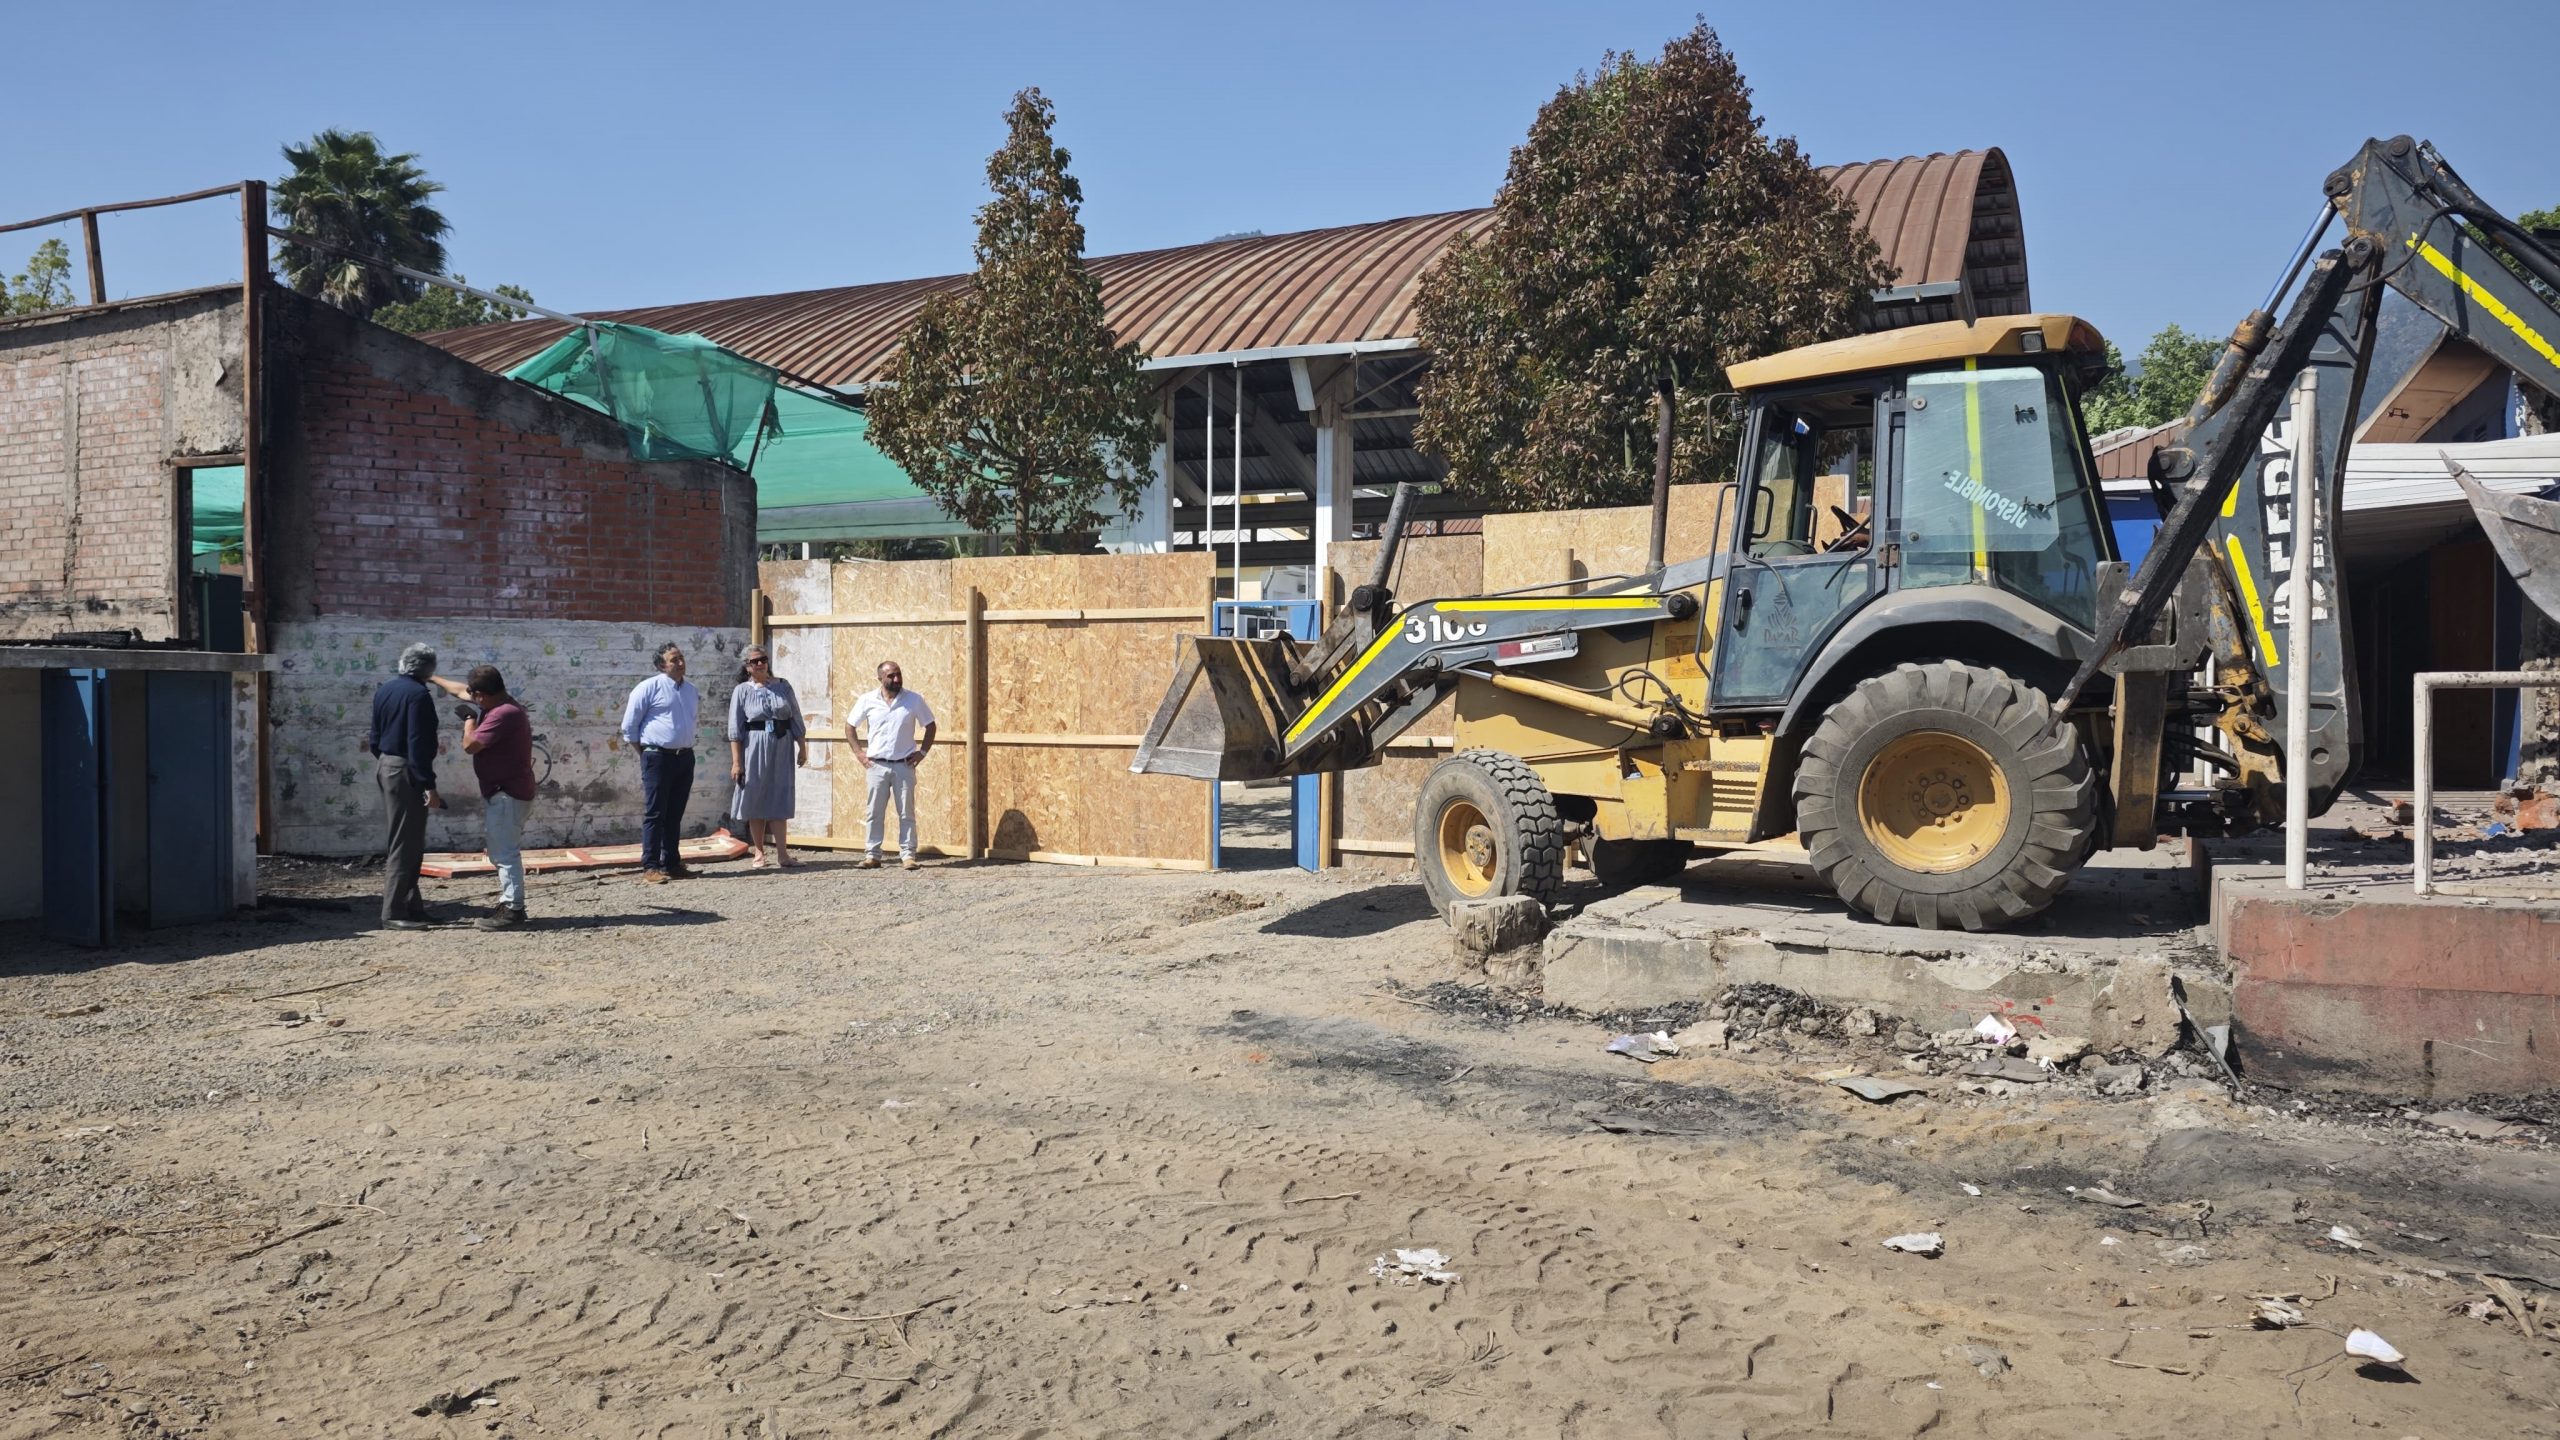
[[1021, 1150]]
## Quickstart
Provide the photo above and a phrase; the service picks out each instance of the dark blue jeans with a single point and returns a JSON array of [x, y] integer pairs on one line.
[[666, 780]]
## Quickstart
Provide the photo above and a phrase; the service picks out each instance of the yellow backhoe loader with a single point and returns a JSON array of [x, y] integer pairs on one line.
[[1917, 649]]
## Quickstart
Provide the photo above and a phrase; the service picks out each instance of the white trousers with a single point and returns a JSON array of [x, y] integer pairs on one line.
[[889, 780], [506, 835]]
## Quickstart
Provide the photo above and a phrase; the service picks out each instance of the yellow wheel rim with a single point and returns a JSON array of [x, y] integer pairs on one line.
[[1933, 802], [1466, 848]]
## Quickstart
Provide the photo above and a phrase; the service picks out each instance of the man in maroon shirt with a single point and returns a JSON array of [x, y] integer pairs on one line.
[[499, 740]]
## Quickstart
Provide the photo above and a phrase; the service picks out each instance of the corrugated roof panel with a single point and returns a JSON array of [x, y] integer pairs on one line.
[[1346, 286]]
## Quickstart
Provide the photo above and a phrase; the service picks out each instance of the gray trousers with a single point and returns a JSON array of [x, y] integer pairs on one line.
[[405, 800]]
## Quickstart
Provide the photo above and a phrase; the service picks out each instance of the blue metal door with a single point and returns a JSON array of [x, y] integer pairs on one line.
[[187, 729], [1302, 620], [79, 879]]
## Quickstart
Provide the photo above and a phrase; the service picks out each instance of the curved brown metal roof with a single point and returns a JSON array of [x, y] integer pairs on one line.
[[1938, 218]]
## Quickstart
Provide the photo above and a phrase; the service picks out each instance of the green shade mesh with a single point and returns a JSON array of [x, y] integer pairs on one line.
[[215, 519], [684, 397]]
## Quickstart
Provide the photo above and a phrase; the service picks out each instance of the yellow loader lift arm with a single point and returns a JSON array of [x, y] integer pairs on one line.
[[1258, 709]]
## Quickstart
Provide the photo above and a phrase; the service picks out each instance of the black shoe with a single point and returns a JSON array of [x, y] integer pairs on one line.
[[404, 923], [502, 918]]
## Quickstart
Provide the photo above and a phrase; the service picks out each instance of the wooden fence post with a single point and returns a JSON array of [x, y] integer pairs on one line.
[[974, 648], [760, 618]]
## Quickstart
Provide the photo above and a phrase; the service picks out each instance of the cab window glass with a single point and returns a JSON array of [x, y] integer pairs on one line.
[[1813, 478], [1996, 488]]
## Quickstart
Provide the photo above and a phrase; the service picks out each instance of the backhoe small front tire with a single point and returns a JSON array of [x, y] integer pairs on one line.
[[1945, 795], [1486, 826]]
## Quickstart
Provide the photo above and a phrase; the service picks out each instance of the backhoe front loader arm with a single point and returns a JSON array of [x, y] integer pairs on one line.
[[1253, 709]]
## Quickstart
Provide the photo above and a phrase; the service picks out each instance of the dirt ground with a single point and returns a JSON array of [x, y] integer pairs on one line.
[[1026, 1150]]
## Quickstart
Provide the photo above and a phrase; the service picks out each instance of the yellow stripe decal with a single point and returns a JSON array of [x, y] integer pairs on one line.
[[2231, 501], [2487, 301], [1973, 451], [2249, 592], [1334, 691], [1607, 602]]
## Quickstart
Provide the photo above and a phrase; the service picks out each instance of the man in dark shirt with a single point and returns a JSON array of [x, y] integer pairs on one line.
[[499, 739], [402, 741]]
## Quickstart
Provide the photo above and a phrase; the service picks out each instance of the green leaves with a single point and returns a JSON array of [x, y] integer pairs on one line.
[[344, 192], [1011, 403], [440, 309], [2175, 366], [1646, 227], [44, 285]]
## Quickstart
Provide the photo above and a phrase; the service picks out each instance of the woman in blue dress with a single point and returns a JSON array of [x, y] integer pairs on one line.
[[765, 736]]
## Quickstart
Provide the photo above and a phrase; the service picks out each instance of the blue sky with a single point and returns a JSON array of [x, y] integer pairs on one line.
[[2167, 154]]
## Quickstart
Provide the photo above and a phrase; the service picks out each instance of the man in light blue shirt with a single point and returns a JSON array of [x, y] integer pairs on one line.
[[659, 722]]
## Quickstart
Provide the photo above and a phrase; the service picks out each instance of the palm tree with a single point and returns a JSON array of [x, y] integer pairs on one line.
[[344, 193]]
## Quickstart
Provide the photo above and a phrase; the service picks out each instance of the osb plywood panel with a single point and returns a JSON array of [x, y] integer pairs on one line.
[[1087, 678], [931, 657], [806, 658], [1377, 800], [1547, 546]]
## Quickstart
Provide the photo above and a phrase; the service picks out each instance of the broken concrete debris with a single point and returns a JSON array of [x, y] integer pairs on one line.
[[1645, 1048], [1868, 1087], [1490, 927]]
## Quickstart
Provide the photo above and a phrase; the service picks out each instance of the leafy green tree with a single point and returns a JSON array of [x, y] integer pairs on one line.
[[343, 192], [2175, 366], [44, 285], [1011, 403], [2544, 219], [442, 309], [1647, 230]]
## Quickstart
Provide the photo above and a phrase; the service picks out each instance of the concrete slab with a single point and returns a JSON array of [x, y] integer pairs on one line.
[[1763, 916], [2364, 985]]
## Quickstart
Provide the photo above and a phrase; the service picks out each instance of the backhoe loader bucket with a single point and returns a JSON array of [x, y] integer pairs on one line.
[[1225, 714], [2526, 534]]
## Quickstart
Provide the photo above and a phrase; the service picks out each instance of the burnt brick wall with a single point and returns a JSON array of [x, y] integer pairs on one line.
[[411, 484], [94, 404]]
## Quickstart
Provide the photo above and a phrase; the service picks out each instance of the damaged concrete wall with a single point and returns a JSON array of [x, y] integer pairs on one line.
[[94, 403], [416, 497], [573, 678]]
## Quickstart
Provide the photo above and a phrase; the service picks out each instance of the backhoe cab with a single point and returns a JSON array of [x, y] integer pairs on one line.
[[1914, 546]]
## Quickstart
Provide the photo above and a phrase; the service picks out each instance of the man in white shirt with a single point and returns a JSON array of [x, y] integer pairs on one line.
[[901, 727], [659, 722]]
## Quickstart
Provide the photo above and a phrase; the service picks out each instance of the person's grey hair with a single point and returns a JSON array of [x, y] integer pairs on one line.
[[418, 662]]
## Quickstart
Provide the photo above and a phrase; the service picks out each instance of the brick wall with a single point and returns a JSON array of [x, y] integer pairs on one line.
[[94, 404], [420, 485]]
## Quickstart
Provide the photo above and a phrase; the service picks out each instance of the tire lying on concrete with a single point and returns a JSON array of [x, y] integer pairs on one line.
[[1945, 795], [1485, 826]]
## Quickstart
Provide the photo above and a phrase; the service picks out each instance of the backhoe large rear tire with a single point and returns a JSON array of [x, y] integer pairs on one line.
[[1945, 795], [1486, 826]]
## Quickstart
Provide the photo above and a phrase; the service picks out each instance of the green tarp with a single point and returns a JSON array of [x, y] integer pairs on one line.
[[215, 518], [682, 396]]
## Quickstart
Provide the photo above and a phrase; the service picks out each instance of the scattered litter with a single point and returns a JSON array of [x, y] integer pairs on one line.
[[2109, 1240], [2276, 1312], [1923, 1242], [1410, 1267], [1969, 1188], [1647, 1048], [895, 1104], [473, 1237], [2366, 1345], [2483, 1308], [1995, 1030], [2340, 1234], [1868, 1087], [1986, 1362], [2471, 1126], [2103, 1196]]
